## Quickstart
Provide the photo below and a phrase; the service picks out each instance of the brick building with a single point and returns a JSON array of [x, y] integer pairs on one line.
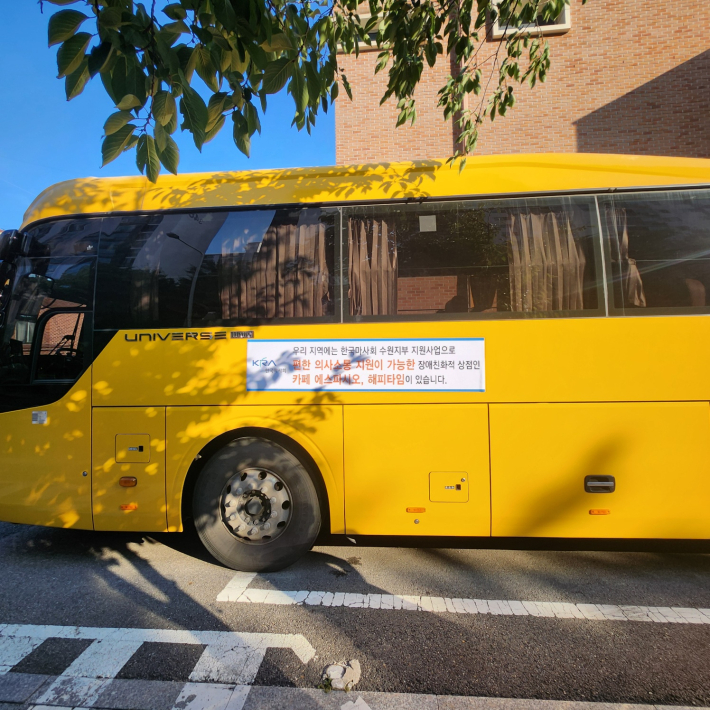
[[627, 76]]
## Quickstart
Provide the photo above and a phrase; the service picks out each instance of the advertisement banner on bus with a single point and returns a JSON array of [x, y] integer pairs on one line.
[[372, 365]]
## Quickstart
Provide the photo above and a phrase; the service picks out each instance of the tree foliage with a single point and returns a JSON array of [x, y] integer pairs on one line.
[[148, 55]]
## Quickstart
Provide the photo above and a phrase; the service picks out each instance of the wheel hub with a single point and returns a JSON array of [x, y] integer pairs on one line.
[[256, 505]]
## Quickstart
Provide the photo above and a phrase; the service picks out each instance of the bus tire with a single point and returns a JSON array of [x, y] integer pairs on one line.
[[255, 506]]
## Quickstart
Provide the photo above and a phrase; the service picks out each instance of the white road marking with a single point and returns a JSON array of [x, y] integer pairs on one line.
[[14, 649], [103, 659], [296, 642], [237, 591], [230, 657], [236, 586]]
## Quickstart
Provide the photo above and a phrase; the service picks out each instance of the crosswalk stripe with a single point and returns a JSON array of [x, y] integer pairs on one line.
[[237, 591]]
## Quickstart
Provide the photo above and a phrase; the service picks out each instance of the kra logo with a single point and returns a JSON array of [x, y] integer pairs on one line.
[[263, 363]]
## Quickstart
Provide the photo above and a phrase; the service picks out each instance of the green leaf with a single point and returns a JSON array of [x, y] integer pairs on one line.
[[114, 144], [241, 133], [214, 130], [76, 81], [276, 74], [152, 164], [63, 24], [175, 11], [299, 90], [314, 83], [170, 156], [99, 58], [116, 120], [161, 137], [141, 153], [164, 107], [110, 18], [252, 118], [171, 125], [71, 53], [278, 42], [205, 68], [216, 107], [195, 112], [128, 102]]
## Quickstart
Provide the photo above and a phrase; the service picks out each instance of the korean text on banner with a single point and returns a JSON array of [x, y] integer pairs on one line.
[[376, 365]]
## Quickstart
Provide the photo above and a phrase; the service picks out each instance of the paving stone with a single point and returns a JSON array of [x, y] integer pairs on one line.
[[19, 687], [264, 698], [138, 695], [204, 696], [72, 692], [396, 701]]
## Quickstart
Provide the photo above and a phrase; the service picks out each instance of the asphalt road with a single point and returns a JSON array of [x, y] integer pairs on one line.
[[89, 579]]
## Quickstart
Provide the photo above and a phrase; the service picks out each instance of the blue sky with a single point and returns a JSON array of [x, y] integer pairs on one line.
[[45, 139]]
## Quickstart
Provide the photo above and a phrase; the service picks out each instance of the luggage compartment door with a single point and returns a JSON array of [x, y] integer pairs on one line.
[[128, 483], [606, 470], [417, 469]]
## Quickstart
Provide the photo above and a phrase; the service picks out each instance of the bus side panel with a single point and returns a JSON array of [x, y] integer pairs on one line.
[[129, 442], [432, 459], [318, 428], [42, 467], [658, 454]]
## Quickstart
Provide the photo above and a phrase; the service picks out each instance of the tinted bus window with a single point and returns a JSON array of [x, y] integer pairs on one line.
[[250, 265], [512, 257], [267, 265], [64, 237], [146, 269], [659, 249]]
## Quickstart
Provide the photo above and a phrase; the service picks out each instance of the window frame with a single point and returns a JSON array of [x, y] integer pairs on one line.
[[39, 335], [562, 26]]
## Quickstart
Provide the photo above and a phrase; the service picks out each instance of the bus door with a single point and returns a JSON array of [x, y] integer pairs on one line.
[[45, 392]]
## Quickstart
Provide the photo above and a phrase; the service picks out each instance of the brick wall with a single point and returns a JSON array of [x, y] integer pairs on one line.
[[425, 294], [629, 76]]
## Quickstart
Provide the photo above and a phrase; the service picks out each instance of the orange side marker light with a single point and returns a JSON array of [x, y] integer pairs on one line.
[[130, 506], [416, 510], [128, 482], [600, 511]]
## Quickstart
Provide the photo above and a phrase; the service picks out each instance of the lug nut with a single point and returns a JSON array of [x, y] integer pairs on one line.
[[267, 526], [239, 491]]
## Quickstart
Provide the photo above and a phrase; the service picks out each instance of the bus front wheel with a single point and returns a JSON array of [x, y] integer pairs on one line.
[[255, 506]]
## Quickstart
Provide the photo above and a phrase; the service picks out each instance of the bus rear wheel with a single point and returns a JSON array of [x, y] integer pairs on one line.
[[255, 506]]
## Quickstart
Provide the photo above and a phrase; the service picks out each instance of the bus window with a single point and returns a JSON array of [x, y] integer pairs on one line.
[[512, 257], [659, 251], [268, 264], [64, 237], [250, 265]]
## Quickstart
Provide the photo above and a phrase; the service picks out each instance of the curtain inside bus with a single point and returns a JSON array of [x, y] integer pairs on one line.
[[284, 275], [469, 257]]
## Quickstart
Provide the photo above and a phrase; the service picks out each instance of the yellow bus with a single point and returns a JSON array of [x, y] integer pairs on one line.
[[516, 350]]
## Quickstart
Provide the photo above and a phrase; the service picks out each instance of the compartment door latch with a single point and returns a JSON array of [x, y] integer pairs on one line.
[[599, 484]]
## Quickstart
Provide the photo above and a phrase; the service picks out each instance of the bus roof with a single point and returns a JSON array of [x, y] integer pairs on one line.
[[482, 175]]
